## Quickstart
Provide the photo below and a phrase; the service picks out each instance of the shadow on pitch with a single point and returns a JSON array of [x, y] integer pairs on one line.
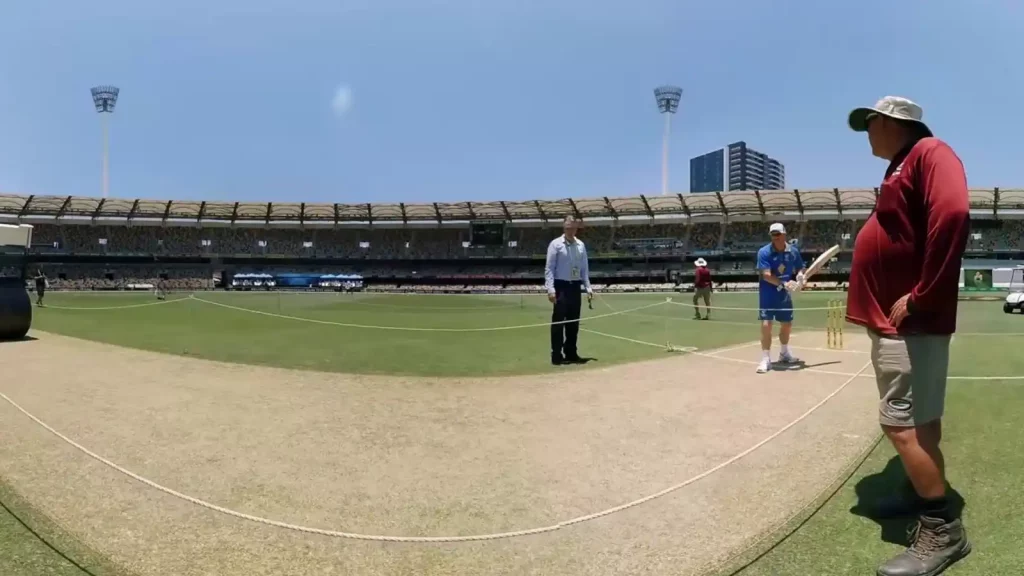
[[800, 365], [890, 481], [583, 360], [22, 339]]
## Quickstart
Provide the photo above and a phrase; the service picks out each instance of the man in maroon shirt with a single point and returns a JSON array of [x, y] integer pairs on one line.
[[903, 289], [702, 289]]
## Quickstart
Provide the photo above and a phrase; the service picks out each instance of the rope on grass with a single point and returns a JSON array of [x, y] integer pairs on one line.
[[433, 539], [739, 309], [669, 346], [423, 329], [124, 307], [365, 301]]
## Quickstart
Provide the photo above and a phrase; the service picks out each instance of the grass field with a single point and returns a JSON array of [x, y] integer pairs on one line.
[[508, 335], [421, 335]]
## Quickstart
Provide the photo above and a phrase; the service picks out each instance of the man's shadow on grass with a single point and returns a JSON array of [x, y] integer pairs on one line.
[[892, 480]]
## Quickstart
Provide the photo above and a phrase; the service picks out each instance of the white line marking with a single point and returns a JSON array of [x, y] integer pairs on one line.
[[838, 350], [730, 349], [645, 343], [835, 373], [715, 354]]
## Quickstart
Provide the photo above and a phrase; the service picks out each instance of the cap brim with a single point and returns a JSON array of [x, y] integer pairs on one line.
[[858, 119]]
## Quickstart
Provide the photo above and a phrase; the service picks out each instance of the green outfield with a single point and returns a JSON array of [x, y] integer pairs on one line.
[[456, 335], [466, 335]]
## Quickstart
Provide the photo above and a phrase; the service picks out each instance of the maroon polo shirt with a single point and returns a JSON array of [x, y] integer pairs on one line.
[[703, 277], [913, 243]]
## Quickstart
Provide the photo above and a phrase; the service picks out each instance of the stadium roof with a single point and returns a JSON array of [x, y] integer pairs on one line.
[[740, 203]]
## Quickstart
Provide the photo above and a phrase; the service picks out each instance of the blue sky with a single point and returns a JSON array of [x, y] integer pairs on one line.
[[460, 100]]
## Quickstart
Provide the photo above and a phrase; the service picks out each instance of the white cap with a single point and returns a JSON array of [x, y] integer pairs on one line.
[[896, 107], [701, 262], [777, 227]]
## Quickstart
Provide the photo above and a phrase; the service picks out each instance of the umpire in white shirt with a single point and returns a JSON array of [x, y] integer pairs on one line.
[[565, 273]]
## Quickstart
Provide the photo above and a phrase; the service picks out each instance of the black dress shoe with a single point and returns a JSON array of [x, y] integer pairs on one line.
[[573, 359], [557, 360]]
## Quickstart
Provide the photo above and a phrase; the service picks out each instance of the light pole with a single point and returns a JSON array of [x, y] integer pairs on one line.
[[668, 102], [105, 98]]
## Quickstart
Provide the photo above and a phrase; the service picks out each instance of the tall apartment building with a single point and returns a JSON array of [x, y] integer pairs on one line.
[[736, 167]]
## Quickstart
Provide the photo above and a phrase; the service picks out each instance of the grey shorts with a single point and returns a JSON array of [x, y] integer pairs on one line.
[[702, 293], [911, 374]]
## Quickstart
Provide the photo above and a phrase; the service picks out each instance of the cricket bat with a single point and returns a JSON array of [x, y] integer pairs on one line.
[[814, 268], [820, 261]]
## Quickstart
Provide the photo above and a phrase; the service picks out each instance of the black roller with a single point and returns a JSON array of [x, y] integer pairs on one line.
[[15, 310]]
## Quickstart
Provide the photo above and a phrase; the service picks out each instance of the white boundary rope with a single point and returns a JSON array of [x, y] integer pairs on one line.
[[124, 307], [421, 329], [599, 295], [794, 309], [433, 539], [365, 300]]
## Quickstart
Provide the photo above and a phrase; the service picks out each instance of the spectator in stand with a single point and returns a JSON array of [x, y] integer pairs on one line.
[[702, 289]]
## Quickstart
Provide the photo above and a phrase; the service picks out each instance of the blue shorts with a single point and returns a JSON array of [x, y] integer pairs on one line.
[[776, 315], [775, 306]]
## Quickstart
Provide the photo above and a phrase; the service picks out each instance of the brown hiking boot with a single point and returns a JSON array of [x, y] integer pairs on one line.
[[934, 546]]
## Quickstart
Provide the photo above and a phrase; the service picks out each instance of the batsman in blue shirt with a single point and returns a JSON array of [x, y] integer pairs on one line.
[[781, 268]]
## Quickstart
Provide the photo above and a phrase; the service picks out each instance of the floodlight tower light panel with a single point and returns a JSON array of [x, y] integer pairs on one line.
[[105, 98], [668, 98]]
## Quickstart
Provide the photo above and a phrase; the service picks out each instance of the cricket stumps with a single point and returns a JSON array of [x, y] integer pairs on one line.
[[836, 319]]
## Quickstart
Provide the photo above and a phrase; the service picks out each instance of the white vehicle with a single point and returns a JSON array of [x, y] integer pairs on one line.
[[1015, 299]]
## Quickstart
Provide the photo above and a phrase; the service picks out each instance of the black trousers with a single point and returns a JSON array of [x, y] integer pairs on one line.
[[568, 302]]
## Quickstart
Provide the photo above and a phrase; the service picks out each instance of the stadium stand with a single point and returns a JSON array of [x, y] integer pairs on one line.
[[636, 243]]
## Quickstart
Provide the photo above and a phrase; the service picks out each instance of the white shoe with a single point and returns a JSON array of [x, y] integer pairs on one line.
[[764, 366]]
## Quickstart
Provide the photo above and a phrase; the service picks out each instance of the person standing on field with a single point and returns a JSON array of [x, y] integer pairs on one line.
[[903, 290], [702, 289], [41, 285], [779, 264], [566, 271]]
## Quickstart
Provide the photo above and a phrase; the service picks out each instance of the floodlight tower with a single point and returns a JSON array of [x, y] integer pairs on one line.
[[105, 98], [668, 102]]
